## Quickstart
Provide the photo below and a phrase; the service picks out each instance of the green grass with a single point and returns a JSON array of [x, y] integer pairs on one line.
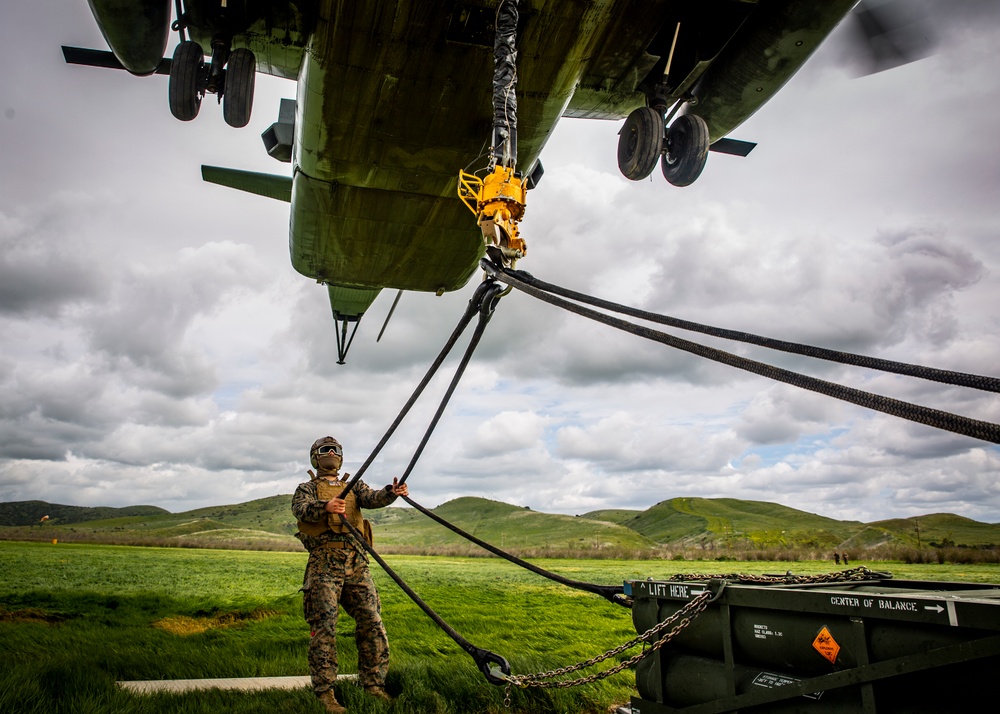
[[76, 618]]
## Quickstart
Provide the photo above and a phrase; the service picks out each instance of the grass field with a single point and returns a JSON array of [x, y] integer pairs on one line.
[[75, 618]]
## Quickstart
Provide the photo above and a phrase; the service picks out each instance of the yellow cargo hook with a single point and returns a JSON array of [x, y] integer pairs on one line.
[[498, 203]]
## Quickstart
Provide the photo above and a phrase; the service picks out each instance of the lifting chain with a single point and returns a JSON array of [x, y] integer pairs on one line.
[[854, 574], [679, 620]]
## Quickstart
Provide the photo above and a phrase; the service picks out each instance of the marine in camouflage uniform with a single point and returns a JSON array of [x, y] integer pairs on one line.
[[337, 572]]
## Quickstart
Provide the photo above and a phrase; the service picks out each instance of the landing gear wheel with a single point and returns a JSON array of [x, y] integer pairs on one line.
[[639, 143], [185, 72], [686, 150], [237, 97]]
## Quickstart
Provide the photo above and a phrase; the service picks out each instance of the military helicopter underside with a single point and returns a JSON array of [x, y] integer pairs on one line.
[[394, 98]]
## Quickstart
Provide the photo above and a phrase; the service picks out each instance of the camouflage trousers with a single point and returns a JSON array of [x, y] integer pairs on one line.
[[340, 577]]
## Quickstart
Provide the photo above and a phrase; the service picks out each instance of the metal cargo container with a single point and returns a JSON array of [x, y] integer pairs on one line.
[[861, 646]]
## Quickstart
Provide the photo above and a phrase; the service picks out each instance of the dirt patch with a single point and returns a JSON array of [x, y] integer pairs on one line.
[[184, 625], [30, 614]]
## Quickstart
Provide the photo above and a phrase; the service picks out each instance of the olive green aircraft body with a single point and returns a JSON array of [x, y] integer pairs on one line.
[[393, 98]]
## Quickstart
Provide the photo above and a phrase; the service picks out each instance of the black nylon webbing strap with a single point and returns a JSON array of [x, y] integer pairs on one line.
[[987, 431], [488, 303], [493, 666], [486, 291], [485, 659], [613, 593], [961, 379]]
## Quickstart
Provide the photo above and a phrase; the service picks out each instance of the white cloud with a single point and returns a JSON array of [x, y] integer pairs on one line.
[[158, 347]]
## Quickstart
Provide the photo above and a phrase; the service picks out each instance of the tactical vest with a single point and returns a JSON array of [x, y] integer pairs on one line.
[[326, 491]]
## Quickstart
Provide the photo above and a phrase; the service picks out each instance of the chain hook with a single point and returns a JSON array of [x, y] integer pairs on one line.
[[484, 659], [716, 586]]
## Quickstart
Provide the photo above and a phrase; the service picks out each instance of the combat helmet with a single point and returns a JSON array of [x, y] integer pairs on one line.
[[314, 451]]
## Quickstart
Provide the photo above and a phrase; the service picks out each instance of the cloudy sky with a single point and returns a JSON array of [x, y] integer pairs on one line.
[[156, 345]]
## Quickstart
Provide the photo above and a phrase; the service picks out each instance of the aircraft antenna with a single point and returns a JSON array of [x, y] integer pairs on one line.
[[389, 316]]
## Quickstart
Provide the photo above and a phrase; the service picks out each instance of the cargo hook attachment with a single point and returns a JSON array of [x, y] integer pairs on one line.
[[498, 200], [498, 203]]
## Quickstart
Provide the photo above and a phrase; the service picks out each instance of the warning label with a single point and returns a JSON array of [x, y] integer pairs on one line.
[[826, 645]]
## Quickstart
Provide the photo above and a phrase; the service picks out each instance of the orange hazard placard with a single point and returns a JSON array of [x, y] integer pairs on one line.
[[826, 645]]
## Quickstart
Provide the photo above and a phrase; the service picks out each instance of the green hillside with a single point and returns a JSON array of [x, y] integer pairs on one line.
[[612, 515], [272, 514], [678, 522], [732, 522], [519, 527], [264, 523], [268, 522], [940, 529], [500, 524], [28, 513]]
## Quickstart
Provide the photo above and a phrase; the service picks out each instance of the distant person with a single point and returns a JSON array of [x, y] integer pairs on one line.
[[836, 557], [845, 560], [337, 572]]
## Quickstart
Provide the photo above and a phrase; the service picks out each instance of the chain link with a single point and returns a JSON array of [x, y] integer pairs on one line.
[[677, 621], [853, 574]]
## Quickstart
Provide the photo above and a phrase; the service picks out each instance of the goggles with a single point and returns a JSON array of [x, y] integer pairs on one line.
[[330, 448]]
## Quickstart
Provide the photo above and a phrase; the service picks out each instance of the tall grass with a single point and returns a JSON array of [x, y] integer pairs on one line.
[[277, 543], [76, 618]]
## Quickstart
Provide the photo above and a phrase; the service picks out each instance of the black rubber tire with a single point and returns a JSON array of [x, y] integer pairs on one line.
[[640, 143], [237, 97], [686, 150], [185, 70]]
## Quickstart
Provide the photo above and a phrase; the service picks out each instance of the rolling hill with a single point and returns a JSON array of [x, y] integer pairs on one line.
[[732, 522], [508, 526], [612, 515], [945, 529], [678, 522], [28, 513]]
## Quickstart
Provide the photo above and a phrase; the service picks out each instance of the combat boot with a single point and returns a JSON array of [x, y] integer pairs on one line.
[[329, 700], [378, 691]]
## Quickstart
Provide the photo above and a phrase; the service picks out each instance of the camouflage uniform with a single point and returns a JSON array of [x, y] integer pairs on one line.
[[337, 574]]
